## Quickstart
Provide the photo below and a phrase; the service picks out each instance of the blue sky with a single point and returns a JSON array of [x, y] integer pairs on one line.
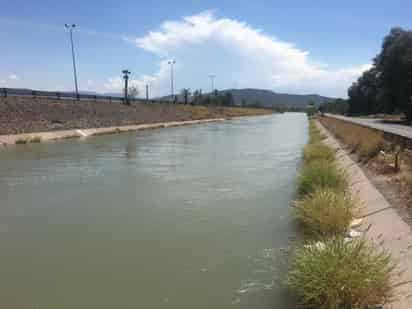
[[286, 46]]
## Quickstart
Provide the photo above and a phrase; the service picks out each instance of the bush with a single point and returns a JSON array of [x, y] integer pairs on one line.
[[325, 212], [318, 151], [21, 141], [314, 133], [339, 274], [320, 174]]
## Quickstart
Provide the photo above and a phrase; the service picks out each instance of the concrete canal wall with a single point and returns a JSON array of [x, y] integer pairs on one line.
[[81, 133], [381, 224]]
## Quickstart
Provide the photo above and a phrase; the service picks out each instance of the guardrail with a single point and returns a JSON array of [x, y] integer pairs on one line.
[[59, 95]]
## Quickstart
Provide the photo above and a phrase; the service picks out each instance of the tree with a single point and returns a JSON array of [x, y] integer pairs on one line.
[[132, 92], [363, 94], [395, 66], [338, 106], [185, 93]]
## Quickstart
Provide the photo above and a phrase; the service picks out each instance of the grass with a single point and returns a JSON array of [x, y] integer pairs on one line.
[[318, 151], [325, 212], [338, 274], [205, 112], [315, 136], [320, 174], [36, 139], [365, 142], [334, 273], [21, 141]]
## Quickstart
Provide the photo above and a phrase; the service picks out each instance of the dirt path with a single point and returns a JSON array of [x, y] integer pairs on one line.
[[382, 224]]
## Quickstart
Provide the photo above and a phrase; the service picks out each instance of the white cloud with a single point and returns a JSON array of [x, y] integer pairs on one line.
[[13, 77], [239, 55]]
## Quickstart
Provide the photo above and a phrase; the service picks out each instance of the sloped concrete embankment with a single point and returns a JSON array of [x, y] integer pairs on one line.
[[381, 224], [78, 133]]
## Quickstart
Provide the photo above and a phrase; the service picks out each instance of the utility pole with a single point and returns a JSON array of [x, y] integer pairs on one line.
[[171, 62], [147, 92], [212, 79], [70, 28], [126, 82]]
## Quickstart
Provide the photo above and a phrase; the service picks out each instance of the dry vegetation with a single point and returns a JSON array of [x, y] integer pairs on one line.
[[379, 155]]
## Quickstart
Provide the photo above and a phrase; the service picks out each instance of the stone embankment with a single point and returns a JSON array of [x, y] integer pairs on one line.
[[27, 115]]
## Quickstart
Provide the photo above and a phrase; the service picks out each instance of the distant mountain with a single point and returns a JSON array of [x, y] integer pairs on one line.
[[268, 98]]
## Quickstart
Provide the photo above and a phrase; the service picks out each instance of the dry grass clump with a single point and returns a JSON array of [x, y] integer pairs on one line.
[[320, 174], [205, 112], [21, 141], [318, 152], [36, 139], [364, 141], [340, 274], [325, 212]]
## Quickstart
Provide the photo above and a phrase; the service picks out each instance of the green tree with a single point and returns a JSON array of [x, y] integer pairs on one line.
[[394, 63]]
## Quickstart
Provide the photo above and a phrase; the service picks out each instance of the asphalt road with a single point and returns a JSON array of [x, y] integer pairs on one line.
[[397, 129]]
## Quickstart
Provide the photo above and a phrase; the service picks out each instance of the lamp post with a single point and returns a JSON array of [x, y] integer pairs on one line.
[[171, 62], [126, 81], [70, 28], [212, 79]]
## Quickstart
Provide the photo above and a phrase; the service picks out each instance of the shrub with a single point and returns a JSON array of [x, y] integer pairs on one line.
[[325, 212], [320, 174], [318, 151], [339, 274], [315, 135], [21, 141], [36, 139]]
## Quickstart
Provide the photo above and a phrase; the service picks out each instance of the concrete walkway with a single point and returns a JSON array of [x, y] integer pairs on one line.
[[382, 225], [396, 129], [77, 133]]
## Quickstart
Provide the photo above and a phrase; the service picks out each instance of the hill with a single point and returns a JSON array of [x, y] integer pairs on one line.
[[270, 98]]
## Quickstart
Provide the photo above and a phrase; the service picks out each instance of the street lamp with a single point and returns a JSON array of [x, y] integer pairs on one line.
[[126, 80], [212, 79], [70, 28], [171, 62]]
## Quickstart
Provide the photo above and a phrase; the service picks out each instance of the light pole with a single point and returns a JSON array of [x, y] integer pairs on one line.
[[212, 79], [126, 80], [70, 28], [171, 62]]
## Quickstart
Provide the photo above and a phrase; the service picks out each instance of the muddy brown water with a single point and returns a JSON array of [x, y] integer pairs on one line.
[[186, 217]]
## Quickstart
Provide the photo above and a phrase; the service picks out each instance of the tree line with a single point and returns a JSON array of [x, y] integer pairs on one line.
[[197, 98], [387, 86]]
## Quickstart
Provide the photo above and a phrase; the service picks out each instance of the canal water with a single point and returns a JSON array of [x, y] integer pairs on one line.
[[185, 217]]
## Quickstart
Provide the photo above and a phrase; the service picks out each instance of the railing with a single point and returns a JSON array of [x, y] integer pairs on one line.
[[59, 95]]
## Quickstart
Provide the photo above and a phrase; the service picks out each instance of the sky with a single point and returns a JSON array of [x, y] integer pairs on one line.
[[286, 46]]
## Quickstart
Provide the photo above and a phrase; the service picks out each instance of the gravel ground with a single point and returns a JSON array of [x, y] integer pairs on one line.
[[26, 115]]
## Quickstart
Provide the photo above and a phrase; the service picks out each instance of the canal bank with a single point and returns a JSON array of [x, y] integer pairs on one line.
[[381, 224], [38, 137], [27, 115]]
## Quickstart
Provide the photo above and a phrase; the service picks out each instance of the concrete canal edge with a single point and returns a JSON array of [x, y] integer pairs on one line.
[[26, 138], [381, 225]]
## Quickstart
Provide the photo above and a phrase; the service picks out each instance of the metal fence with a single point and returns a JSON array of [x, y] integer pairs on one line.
[[59, 95]]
